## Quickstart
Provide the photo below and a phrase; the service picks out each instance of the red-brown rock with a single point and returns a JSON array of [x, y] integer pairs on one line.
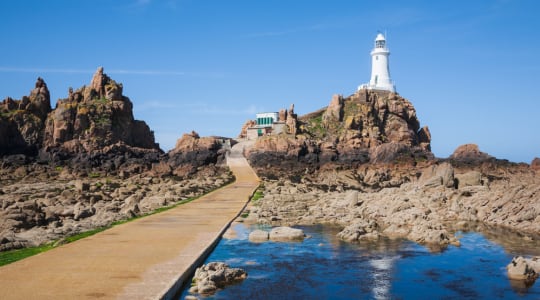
[[90, 119], [535, 164], [243, 131], [469, 154]]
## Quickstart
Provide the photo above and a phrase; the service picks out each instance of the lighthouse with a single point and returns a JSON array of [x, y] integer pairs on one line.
[[380, 69]]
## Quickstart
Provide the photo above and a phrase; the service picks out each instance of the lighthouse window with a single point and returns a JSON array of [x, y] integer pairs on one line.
[[376, 57]]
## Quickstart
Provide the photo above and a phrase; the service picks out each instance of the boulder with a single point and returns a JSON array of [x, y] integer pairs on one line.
[[196, 151], [208, 278], [471, 178], [285, 234], [438, 175], [258, 236], [360, 230], [522, 269], [433, 235]]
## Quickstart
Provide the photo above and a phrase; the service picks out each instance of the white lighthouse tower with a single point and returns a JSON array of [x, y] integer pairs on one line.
[[380, 69]]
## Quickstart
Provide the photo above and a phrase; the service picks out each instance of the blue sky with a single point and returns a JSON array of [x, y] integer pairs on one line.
[[471, 68]]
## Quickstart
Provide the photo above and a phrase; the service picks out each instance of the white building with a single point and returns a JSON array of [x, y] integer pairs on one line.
[[267, 119], [380, 69], [266, 124]]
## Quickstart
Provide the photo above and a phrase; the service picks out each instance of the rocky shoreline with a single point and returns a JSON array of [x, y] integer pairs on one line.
[[426, 208], [364, 163], [427, 204]]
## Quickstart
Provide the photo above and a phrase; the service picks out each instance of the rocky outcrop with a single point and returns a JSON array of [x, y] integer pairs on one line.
[[243, 131], [291, 121], [96, 116], [334, 111], [91, 118], [215, 275], [421, 203], [192, 151], [369, 126], [469, 154], [22, 121]]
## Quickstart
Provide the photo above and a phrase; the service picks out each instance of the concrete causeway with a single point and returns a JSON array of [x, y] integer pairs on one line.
[[148, 258]]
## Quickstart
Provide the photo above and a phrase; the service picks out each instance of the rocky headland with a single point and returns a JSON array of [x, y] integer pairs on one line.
[[364, 163], [88, 162]]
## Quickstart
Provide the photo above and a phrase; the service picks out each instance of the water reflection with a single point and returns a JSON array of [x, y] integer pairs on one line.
[[382, 276], [511, 241], [323, 267]]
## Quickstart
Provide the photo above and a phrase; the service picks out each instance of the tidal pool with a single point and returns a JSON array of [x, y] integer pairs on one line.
[[323, 267]]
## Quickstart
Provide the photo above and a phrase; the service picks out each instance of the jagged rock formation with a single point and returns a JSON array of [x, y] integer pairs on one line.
[[22, 121], [96, 116], [291, 120], [369, 126], [91, 118]]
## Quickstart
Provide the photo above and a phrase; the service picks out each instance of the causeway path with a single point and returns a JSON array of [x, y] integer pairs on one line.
[[148, 258]]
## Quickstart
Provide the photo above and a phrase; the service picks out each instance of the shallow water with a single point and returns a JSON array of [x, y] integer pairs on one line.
[[323, 267]]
